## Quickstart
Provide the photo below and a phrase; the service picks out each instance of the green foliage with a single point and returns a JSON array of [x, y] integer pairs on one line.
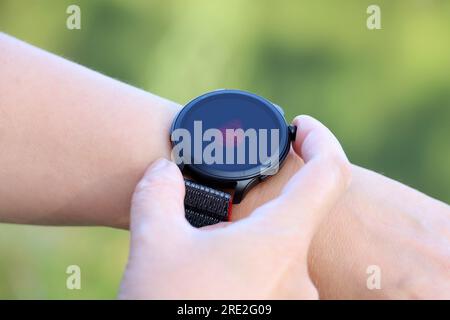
[[385, 93]]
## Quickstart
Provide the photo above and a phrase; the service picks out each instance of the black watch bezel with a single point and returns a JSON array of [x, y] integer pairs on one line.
[[227, 178]]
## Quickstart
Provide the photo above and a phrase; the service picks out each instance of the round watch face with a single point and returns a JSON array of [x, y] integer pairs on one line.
[[230, 135]]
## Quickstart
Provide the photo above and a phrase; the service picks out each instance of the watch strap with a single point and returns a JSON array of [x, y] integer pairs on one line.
[[206, 206]]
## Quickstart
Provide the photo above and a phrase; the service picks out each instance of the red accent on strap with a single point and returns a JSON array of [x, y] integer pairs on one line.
[[230, 208]]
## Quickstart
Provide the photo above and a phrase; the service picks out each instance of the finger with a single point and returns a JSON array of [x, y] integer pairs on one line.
[[158, 200], [312, 192]]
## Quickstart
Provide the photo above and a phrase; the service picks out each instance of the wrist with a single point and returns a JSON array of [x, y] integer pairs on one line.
[[146, 141]]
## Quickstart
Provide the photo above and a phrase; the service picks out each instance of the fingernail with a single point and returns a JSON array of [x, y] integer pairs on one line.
[[159, 164]]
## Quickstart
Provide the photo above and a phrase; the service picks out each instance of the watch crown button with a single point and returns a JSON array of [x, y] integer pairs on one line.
[[292, 132]]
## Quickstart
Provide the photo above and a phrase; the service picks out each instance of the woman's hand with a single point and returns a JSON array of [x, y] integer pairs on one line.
[[262, 256]]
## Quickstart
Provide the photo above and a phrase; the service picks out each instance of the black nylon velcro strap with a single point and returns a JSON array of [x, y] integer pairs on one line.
[[205, 206]]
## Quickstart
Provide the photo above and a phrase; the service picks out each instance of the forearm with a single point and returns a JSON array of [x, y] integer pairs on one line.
[[73, 142], [384, 223]]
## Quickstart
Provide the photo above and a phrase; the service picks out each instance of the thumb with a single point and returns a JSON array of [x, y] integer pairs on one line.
[[157, 205]]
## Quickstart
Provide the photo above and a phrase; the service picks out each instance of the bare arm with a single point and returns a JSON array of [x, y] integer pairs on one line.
[[74, 143], [396, 228]]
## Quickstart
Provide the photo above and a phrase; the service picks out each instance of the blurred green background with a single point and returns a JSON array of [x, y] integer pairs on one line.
[[385, 93]]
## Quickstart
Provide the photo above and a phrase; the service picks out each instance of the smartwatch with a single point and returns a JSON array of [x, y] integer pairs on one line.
[[225, 142]]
